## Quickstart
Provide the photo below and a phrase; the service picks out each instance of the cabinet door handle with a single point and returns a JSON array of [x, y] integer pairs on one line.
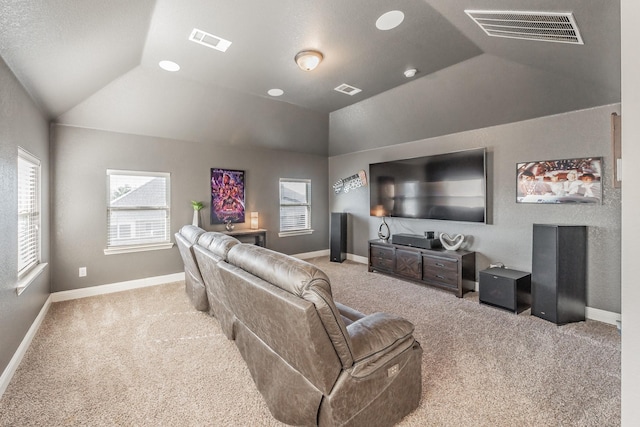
[[439, 264], [439, 276]]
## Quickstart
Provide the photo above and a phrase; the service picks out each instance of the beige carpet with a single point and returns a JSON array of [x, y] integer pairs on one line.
[[147, 358]]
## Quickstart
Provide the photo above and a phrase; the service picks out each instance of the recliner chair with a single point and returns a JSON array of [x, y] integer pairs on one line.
[[309, 365]]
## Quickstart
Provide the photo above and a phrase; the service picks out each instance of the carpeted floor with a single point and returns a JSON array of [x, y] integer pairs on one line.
[[147, 358]]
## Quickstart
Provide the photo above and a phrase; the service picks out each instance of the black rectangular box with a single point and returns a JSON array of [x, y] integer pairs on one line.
[[416, 241], [505, 288]]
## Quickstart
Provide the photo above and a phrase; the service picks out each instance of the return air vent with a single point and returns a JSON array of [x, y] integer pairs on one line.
[[347, 89], [209, 40], [541, 26]]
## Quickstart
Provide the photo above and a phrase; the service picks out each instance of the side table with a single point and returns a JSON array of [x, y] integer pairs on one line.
[[259, 236]]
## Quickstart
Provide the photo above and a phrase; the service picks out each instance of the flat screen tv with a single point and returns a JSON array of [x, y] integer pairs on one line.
[[448, 186]]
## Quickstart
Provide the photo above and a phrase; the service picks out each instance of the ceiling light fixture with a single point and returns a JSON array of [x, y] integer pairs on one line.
[[169, 66], [410, 73], [307, 60], [275, 92]]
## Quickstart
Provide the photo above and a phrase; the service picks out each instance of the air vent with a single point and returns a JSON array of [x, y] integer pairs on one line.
[[209, 40], [541, 26], [347, 89]]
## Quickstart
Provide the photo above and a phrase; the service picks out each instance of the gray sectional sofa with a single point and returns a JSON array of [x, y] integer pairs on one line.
[[315, 361]]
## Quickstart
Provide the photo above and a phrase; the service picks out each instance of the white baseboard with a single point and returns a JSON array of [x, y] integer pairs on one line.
[[602, 315], [326, 252], [309, 255], [358, 258], [115, 287], [11, 368]]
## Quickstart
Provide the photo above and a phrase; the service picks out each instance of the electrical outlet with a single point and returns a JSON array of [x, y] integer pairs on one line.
[[82, 272]]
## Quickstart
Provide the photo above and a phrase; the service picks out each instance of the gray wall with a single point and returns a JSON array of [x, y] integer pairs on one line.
[[21, 124], [507, 238], [81, 158]]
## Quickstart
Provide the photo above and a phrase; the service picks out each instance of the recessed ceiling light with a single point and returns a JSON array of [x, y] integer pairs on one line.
[[410, 73], [169, 66], [390, 20], [275, 92]]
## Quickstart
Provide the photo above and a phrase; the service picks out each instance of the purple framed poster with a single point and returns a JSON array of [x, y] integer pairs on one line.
[[560, 181], [227, 196]]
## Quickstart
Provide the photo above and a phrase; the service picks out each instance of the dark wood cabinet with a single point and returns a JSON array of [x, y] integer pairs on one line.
[[558, 274], [453, 271]]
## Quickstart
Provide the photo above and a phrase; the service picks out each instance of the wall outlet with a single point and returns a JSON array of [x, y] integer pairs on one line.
[[82, 272]]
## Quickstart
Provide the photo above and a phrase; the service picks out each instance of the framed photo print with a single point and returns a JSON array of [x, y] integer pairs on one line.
[[560, 181], [227, 196]]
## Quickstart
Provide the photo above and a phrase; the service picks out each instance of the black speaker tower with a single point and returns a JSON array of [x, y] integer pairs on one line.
[[558, 276], [338, 245]]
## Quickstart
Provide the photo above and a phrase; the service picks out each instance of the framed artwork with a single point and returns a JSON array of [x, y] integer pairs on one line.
[[227, 196], [560, 181]]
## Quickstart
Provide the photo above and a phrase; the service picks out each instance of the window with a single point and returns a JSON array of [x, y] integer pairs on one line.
[[28, 213], [295, 206], [138, 213]]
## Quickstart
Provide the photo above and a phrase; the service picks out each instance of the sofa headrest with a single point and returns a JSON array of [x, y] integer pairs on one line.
[[217, 243], [191, 233], [291, 274]]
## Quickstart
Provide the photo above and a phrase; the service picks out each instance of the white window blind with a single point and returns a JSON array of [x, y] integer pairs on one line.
[[138, 208], [295, 205], [28, 212]]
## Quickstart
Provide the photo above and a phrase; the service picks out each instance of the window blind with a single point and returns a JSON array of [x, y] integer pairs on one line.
[[295, 205], [138, 208], [28, 212]]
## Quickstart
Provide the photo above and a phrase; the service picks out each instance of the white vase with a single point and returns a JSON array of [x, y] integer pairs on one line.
[[196, 218]]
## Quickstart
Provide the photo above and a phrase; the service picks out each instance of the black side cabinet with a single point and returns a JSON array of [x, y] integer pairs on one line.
[[558, 275], [505, 288]]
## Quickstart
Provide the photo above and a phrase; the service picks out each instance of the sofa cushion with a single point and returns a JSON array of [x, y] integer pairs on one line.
[[191, 233], [217, 243]]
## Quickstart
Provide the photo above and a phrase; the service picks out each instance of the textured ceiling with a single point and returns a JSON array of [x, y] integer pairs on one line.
[[93, 63]]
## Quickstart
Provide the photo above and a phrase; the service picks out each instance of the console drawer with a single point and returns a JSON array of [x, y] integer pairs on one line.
[[382, 258], [439, 264], [382, 263], [382, 252], [441, 276]]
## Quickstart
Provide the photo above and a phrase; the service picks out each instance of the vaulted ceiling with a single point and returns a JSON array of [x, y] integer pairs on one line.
[[94, 64]]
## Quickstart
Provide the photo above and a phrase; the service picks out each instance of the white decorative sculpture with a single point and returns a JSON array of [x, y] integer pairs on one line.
[[451, 243]]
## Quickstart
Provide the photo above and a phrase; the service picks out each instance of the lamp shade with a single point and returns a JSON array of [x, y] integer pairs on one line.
[[307, 60], [379, 211], [254, 220]]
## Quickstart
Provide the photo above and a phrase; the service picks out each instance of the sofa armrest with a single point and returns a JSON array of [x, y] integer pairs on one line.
[[377, 334]]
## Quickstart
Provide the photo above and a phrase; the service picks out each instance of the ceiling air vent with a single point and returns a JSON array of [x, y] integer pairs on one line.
[[347, 89], [542, 26], [209, 40]]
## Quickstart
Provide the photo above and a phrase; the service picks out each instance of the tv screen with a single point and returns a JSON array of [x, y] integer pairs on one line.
[[448, 186]]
